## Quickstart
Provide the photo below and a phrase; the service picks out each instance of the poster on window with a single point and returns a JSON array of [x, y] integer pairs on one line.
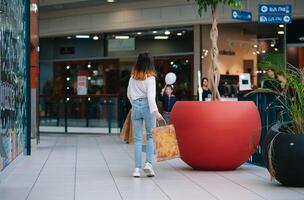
[[82, 88]]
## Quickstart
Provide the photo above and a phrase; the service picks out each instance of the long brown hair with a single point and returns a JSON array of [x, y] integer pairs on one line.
[[144, 67]]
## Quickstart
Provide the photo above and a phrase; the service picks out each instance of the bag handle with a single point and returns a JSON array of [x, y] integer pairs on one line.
[[158, 125]]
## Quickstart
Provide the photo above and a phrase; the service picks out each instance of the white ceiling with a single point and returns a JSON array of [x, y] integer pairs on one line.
[[49, 5]]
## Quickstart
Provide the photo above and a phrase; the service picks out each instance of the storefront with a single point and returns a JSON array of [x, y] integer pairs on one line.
[[83, 78]]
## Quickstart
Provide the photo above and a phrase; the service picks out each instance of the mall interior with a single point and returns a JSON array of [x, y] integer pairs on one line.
[[66, 129]]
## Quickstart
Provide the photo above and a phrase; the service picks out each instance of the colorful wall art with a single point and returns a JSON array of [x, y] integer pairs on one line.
[[13, 80]]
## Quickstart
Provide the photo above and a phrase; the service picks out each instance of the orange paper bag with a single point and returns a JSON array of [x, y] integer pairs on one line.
[[166, 146]]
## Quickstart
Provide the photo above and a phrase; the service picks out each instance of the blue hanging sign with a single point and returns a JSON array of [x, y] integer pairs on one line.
[[241, 15], [275, 14]]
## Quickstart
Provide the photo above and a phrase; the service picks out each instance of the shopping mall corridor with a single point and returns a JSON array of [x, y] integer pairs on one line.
[[89, 167]]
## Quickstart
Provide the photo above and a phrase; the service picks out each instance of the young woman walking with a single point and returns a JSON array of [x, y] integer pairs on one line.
[[142, 94]]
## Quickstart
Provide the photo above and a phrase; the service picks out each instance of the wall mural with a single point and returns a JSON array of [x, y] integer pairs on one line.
[[13, 82]]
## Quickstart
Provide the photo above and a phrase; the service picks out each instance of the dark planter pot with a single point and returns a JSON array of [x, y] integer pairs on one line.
[[287, 155]]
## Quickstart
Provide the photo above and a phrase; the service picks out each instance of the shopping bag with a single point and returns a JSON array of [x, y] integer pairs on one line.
[[126, 134], [166, 146]]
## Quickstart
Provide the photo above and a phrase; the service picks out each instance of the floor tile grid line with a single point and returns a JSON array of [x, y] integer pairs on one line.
[[152, 179], [246, 188], [264, 178], [75, 173], [194, 182], [108, 167], [44, 164]]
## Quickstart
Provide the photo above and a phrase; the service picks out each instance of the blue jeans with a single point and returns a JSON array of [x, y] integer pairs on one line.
[[140, 111]]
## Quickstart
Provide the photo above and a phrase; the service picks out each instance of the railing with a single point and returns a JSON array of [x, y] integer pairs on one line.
[[69, 113], [270, 111]]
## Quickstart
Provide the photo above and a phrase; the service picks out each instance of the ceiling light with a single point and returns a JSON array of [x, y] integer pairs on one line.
[[254, 53], [68, 99], [276, 49], [171, 62], [122, 37], [272, 44], [154, 32], [95, 37], [187, 61], [301, 38], [89, 99], [68, 88], [167, 32], [281, 25], [281, 32], [203, 57], [69, 37], [68, 78], [264, 51], [67, 67], [258, 52], [83, 36], [89, 65], [255, 46], [179, 34], [110, 1], [89, 78], [139, 33], [161, 37]]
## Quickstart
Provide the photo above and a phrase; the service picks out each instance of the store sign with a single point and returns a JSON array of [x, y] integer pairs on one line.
[[227, 53], [82, 88], [241, 15], [275, 14], [122, 45]]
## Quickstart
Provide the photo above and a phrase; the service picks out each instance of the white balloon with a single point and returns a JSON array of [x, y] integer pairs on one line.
[[170, 78]]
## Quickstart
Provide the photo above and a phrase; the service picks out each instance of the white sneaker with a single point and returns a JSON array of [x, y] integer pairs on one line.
[[136, 173], [148, 169]]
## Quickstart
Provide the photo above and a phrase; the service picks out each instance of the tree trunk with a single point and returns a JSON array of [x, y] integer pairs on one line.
[[215, 73]]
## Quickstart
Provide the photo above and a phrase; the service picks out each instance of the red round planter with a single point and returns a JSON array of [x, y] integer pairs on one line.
[[216, 135]]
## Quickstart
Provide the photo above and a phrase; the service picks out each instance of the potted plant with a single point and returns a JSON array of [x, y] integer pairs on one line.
[[216, 135], [283, 147]]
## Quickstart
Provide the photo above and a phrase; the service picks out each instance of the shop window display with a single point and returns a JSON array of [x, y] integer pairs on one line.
[[13, 84]]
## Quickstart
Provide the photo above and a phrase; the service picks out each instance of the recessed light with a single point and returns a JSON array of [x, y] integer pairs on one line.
[[68, 99], [89, 65], [154, 32], [139, 33], [68, 78], [161, 37], [89, 99], [255, 46], [264, 51], [122, 37], [276, 49], [281, 25], [272, 45], [171, 62], [110, 1], [179, 34], [258, 52], [95, 37], [67, 67], [187, 61], [167, 32], [254, 53], [89, 78], [83, 36], [69, 37], [68, 88], [281, 32]]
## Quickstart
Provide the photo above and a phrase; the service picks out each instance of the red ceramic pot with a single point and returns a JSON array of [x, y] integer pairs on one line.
[[216, 135]]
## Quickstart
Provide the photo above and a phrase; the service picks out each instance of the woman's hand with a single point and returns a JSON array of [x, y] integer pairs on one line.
[[158, 116]]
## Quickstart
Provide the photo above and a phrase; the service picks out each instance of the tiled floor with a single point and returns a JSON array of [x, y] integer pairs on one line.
[[99, 167]]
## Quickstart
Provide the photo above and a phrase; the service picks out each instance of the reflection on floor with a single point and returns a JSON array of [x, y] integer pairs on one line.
[[84, 167]]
